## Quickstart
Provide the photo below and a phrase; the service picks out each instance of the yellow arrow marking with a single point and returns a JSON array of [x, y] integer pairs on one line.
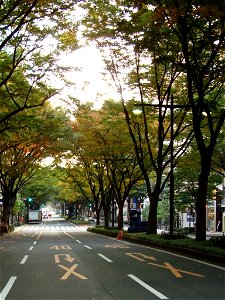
[[174, 270], [71, 271], [67, 258], [136, 256]]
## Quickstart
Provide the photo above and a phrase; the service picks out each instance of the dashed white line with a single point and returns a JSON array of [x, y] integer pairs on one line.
[[7, 288], [78, 241], [72, 237], [31, 248], [34, 243], [23, 260], [148, 287], [88, 247], [104, 257]]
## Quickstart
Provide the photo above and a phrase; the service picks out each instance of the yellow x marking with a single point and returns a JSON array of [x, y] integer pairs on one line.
[[71, 271], [175, 271]]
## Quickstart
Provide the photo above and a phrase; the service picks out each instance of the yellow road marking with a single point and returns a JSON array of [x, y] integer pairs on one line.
[[67, 258], [174, 270], [71, 271], [136, 256], [117, 246], [60, 247]]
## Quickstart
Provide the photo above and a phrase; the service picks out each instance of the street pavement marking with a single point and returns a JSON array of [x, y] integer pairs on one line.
[[31, 248], [104, 257], [23, 260], [117, 246], [88, 247], [135, 255], [78, 241], [60, 247], [175, 271], [72, 237], [147, 287], [35, 242], [3, 249], [7, 288], [46, 228], [39, 235], [67, 258], [70, 272]]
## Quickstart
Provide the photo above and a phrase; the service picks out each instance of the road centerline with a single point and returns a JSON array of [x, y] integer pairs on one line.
[[23, 260]]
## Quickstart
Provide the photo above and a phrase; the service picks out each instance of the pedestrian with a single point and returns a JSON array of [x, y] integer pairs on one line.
[[218, 226]]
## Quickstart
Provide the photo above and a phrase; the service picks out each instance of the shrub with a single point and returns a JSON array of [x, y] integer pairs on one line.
[[218, 241]]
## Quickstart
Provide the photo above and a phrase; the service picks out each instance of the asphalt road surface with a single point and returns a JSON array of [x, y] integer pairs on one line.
[[57, 260]]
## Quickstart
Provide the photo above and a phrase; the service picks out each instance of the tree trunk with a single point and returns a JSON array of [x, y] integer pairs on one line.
[[106, 215], [5, 219], [120, 217], [97, 217], [152, 216], [201, 203]]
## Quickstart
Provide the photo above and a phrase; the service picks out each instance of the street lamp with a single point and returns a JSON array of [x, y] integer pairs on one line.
[[171, 106]]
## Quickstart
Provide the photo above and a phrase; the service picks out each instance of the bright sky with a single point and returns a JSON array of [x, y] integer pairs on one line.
[[90, 82]]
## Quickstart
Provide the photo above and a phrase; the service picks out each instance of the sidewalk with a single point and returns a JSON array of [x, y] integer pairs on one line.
[[209, 234], [214, 233]]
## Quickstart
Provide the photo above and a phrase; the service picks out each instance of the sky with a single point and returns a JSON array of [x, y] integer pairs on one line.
[[90, 82]]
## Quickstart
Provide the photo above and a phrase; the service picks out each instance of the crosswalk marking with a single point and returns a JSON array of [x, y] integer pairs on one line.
[[43, 227]]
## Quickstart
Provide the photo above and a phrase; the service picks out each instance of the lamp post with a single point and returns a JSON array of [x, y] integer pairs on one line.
[[171, 106]]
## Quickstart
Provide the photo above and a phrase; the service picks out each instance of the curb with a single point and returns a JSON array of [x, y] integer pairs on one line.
[[191, 253]]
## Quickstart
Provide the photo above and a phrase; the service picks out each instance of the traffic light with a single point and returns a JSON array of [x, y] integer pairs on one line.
[[29, 199]]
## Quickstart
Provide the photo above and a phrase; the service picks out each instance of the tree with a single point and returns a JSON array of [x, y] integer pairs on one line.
[[136, 65], [199, 29], [32, 34], [103, 155], [24, 150], [193, 34]]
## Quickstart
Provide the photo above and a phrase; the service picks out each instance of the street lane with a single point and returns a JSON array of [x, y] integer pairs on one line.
[[58, 260]]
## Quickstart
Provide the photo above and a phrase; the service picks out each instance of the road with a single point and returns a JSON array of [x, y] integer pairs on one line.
[[56, 260]]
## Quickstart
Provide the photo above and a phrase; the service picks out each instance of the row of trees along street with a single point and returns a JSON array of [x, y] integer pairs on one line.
[[159, 53]]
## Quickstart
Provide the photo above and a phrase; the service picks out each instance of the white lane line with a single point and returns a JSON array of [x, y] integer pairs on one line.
[[148, 287], [31, 248], [78, 241], [7, 288], [23, 260], [104, 257], [72, 237], [34, 243], [87, 247]]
